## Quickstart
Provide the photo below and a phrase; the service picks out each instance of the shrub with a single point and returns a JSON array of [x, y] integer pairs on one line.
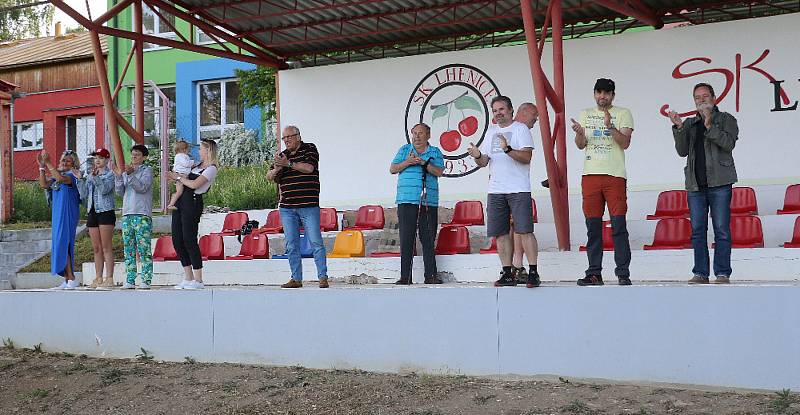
[[241, 188], [240, 147], [30, 204]]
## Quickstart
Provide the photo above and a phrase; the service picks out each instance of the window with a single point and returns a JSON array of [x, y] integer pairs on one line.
[[202, 38], [28, 135], [152, 118], [219, 107], [153, 24]]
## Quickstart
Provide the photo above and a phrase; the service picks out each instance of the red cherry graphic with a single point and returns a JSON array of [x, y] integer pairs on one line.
[[450, 140], [468, 126]]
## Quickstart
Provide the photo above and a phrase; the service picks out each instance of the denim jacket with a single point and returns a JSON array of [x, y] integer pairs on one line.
[[100, 192], [719, 143], [136, 191]]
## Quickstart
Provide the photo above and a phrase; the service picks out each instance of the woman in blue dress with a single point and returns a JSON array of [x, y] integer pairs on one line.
[[62, 189]]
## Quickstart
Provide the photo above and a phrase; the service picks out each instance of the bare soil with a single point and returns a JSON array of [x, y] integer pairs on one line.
[[37, 382]]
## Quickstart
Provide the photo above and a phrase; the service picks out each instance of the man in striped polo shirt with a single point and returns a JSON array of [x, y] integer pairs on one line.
[[296, 171], [419, 166]]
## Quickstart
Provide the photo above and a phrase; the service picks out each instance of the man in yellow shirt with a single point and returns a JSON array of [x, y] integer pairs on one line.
[[604, 133]]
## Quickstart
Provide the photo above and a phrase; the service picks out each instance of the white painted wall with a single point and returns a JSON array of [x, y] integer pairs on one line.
[[355, 113], [712, 335]]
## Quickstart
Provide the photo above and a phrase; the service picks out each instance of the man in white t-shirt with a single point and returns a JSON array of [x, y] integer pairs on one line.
[[507, 149]]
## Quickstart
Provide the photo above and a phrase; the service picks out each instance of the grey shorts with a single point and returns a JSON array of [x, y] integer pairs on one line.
[[500, 208]]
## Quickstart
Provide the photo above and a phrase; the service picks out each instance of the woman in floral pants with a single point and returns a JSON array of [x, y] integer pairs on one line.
[[135, 186]]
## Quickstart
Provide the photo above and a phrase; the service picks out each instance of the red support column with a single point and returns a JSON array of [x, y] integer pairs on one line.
[[138, 44], [552, 140], [108, 102], [6, 148]]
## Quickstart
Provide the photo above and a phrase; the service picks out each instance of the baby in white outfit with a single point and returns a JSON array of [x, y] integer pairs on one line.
[[182, 165]]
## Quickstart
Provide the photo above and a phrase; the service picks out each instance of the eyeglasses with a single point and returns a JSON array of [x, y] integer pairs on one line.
[[290, 136]]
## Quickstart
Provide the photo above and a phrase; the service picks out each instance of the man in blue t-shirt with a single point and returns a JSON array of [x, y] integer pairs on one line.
[[419, 166]]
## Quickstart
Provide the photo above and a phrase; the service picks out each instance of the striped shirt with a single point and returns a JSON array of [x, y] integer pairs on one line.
[[300, 190]]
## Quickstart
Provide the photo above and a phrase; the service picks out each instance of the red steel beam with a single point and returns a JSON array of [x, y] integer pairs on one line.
[[138, 45], [645, 16], [110, 13], [108, 102], [558, 183]]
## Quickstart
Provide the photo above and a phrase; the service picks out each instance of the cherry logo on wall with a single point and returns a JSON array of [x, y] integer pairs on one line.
[[454, 100]]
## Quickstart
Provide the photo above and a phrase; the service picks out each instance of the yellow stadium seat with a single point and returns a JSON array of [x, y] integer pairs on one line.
[[348, 244]]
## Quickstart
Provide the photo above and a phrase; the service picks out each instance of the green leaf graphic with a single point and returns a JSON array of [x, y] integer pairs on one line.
[[440, 111], [468, 103]]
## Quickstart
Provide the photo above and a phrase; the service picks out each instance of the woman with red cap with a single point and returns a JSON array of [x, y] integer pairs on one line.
[[100, 217]]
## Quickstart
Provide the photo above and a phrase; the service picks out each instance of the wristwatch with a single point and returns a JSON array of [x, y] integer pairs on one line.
[[508, 149]]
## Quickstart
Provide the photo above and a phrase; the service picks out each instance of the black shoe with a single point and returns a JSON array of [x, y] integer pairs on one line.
[[624, 280], [403, 281], [506, 280], [533, 281], [433, 280], [591, 280], [521, 275]]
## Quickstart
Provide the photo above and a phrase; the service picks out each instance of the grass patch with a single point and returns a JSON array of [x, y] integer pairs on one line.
[[145, 355], [781, 402], [83, 253], [241, 188], [37, 348], [36, 393], [8, 343], [577, 407], [111, 376], [189, 360]]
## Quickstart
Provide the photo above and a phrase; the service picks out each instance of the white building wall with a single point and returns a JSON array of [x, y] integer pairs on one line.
[[355, 113]]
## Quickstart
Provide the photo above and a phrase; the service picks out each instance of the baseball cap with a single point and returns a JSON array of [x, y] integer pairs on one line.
[[604, 84], [101, 152]]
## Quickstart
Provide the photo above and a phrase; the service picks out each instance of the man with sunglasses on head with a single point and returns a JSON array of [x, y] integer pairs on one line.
[[707, 141], [296, 171]]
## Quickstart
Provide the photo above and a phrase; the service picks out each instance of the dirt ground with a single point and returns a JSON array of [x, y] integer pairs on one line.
[[58, 383]]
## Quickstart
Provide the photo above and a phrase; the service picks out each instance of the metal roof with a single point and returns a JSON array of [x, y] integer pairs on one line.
[[301, 29], [45, 50]]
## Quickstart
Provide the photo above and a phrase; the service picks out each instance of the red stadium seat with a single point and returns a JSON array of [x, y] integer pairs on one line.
[[608, 241], [165, 251], [253, 246], [791, 201], [746, 232], [535, 214], [233, 223], [369, 217], [743, 202], [466, 213], [212, 247], [795, 242], [327, 220], [672, 233], [492, 249], [273, 223], [453, 240], [671, 204]]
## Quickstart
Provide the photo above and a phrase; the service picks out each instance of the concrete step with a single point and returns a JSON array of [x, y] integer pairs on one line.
[[25, 235], [32, 247], [37, 280], [15, 260]]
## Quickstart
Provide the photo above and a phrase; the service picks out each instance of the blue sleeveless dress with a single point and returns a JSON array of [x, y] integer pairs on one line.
[[65, 203]]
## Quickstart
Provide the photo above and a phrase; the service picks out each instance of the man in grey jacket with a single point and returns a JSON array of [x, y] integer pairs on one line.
[[707, 141]]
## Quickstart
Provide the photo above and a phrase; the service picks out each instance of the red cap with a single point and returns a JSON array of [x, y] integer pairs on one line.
[[102, 153]]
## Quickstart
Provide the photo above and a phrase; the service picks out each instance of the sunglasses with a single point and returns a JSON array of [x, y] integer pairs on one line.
[[68, 153]]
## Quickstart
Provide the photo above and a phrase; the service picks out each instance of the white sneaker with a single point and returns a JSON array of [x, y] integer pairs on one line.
[[144, 286], [71, 285], [128, 286], [181, 285], [193, 285], [62, 286]]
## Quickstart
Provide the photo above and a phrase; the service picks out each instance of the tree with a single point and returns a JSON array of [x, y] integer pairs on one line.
[[20, 19], [257, 89]]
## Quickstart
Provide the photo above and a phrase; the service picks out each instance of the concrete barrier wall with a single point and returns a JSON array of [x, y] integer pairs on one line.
[[738, 336]]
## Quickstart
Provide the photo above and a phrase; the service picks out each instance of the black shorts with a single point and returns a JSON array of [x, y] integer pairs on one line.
[[94, 219]]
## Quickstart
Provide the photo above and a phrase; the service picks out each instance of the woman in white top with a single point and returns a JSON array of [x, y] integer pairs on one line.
[[186, 218]]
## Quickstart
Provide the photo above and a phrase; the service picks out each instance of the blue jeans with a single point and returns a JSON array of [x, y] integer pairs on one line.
[[718, 199], [309, 217]]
